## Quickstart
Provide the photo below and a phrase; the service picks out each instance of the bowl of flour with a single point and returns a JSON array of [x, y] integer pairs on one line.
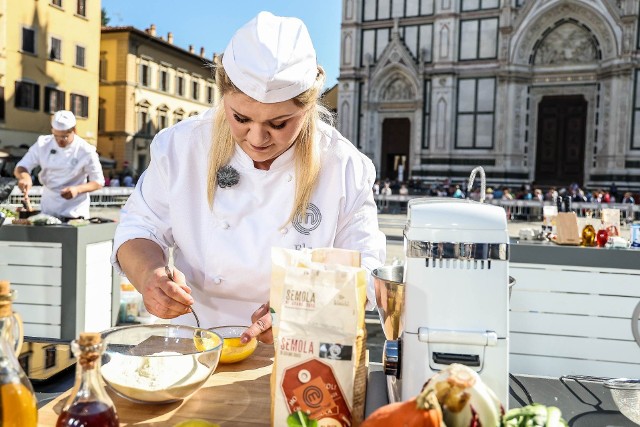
[[159, 363]]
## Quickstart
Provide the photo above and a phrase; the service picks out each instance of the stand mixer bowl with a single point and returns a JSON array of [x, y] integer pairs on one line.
[[389, 285]]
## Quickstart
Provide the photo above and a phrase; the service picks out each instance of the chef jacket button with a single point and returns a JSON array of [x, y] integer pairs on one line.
[[217, 280], [225, 225], [289, 177], [284, 230]]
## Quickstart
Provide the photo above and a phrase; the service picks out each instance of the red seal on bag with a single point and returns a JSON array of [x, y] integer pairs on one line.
[[312, 387]]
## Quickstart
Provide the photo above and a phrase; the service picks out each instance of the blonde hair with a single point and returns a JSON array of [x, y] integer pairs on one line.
[[307, 155]]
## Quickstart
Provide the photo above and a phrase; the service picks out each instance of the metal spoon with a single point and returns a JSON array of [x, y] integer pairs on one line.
[[170, 276]]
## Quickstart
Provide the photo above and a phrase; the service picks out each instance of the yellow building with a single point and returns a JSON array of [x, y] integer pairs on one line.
[[146, 84], [48, 62]]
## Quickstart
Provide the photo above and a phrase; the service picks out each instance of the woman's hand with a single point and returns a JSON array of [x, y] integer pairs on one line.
[[261, 326], [165, 298]]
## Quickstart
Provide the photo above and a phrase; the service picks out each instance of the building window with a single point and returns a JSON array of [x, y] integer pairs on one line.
[[80, 56], [82, 8], [53, 100], [373, 43], [418, 38], [2, 109], [384, 9], [479, 39], [164, 81], [195, 90], [80, 105], [103, 68], [102, 114], [468, 5], [55, 50], [163, 118], [426, 120], [178, 116], [144, 122], [28, 40], [27, 96], [518, 3], [56, 3], [24, 359], [635, 132], [180, 85], [475, 116], [210, 94], [50, 357], [145, 77]]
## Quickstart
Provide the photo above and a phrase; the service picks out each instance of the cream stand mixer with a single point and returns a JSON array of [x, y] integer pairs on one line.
[[448, 303]]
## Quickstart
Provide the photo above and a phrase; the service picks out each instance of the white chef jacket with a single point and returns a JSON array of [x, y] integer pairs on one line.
[[225, 254], [63, 167]]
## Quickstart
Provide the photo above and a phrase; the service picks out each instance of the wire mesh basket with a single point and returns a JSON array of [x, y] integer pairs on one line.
[[626, 395]]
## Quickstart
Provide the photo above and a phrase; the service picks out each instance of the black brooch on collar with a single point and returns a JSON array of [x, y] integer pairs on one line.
[[228, 176]]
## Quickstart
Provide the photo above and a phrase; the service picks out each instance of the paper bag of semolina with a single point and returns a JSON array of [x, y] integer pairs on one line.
[[317, 299]]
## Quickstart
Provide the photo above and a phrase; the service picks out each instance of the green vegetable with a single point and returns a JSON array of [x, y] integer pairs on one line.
[[300, 419], [534, 415]]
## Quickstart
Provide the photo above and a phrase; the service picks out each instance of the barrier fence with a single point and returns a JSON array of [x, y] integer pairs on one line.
[[105, 197], [524, 210]]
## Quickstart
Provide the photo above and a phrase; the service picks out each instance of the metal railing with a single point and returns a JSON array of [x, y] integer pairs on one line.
[[106, 197], [526, 210]]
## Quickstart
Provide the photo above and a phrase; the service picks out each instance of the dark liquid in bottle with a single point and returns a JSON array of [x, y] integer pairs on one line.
[[88, 414]]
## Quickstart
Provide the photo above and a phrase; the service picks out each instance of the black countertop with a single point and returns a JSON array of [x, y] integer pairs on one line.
[[548, 253]]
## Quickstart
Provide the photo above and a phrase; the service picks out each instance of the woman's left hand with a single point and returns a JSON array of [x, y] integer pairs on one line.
[[261, 326]]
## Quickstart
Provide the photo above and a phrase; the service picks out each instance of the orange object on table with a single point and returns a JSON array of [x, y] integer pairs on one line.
[[235, 395]]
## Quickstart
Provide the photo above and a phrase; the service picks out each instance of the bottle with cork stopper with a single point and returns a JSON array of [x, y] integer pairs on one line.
[[89, 404], [18, 404]]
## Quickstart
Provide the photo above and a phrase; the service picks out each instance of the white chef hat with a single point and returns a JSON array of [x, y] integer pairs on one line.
[[271, 58], [63, 120]]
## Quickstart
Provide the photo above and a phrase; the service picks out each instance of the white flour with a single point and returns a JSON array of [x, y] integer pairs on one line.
[[154, 379]]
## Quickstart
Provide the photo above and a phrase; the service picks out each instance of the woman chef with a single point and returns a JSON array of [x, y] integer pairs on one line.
[[258, 171]]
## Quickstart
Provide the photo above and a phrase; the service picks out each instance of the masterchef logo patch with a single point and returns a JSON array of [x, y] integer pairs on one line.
[[309, 221]]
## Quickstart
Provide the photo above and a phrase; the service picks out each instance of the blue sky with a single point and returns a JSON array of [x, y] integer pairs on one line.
[[211, 23]]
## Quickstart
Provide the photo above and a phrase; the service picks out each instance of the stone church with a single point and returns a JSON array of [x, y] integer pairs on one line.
[[534, 91]]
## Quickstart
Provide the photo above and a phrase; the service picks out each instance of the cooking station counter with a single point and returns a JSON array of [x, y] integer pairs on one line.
[[63, 276]]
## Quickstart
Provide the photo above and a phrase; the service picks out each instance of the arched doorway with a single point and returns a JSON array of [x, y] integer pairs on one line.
[[395, 149], [561, 138]]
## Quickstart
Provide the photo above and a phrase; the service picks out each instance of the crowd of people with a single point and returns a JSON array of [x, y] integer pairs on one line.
[[126, 178], [448, 188]]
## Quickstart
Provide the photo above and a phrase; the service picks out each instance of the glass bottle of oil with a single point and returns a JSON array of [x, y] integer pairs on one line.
[[89, 404], [18, 405]]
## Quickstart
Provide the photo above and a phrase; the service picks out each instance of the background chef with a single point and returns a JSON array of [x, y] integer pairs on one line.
[[261, 170], [70, 169]]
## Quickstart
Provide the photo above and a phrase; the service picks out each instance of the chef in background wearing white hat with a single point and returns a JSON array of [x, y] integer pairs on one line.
[[70, 169], [262, 169]]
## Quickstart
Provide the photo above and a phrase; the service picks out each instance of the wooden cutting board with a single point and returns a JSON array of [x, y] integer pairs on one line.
[[235, 395]]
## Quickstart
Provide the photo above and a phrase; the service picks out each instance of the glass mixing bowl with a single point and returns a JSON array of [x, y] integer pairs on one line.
[[232, 349], [158, 363]]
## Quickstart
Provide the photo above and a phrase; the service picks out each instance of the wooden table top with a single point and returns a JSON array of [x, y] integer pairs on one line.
[[235, 395]]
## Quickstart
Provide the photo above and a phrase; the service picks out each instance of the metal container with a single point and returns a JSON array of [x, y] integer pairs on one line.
[[389, 284]]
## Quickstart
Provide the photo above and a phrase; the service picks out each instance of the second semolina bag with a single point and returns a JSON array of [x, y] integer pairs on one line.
[[318, 308]]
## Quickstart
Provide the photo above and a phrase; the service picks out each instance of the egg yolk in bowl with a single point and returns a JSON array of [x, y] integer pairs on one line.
[[233, 350]]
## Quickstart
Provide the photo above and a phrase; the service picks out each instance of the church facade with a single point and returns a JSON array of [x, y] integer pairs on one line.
[[534, 91]]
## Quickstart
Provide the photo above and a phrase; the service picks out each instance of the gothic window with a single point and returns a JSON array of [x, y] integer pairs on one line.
[[426, 108], [375, 10], [478, 39], [475, 113], [635, 126], [469, 5]]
